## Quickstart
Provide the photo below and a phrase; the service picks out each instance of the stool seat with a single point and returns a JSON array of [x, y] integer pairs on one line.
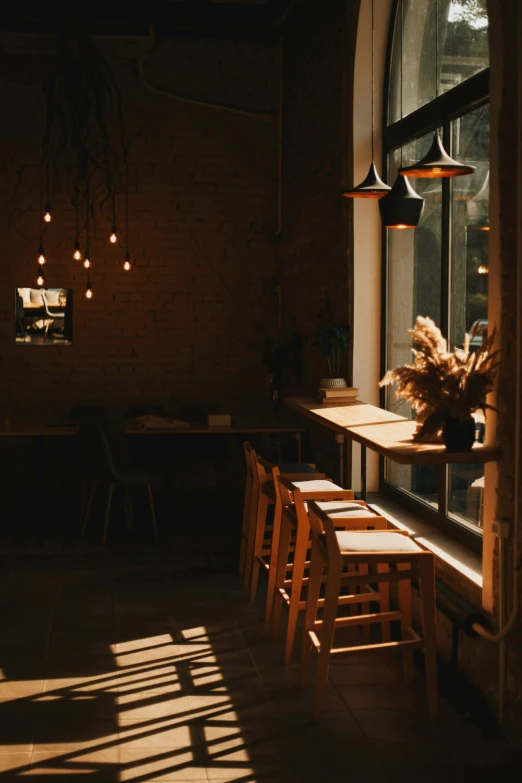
[[316, 485], [375, 541], [339, 508]]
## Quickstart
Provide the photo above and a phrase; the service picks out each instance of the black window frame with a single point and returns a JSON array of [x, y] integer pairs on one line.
[[438, 113]]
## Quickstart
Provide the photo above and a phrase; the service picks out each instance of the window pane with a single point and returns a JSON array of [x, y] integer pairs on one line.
[[469, 282], [414, 288], [463, 50]]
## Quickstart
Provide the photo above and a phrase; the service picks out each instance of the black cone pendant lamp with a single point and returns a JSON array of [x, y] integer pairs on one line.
[[401, 208], [372, 186], [436, 163]]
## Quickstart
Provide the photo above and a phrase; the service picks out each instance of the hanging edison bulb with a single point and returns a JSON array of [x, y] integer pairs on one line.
[[88, 288], [113, 237], [77, 255], [87, 263], [40, 280], [41, 256], [47, 214], [126, 263]]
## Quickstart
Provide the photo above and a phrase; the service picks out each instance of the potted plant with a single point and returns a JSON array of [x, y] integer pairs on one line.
[[444, 388], [331, 340]]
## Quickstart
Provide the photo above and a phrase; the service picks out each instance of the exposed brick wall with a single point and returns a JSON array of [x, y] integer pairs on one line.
[[187, 323], [316, 222]]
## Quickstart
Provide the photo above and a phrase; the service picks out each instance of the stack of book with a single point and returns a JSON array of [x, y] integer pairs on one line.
[[346, 396]]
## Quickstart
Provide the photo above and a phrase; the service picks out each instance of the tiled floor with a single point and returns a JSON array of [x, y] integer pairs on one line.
[[145, 663]]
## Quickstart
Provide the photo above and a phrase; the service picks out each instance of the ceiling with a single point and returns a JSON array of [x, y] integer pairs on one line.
[[168, 16]]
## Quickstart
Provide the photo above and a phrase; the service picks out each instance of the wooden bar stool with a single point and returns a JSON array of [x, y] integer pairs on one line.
[[294, 520], [403, 560], [260, 539]]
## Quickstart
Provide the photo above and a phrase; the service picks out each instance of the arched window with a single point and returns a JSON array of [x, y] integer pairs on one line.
[[438, 82]]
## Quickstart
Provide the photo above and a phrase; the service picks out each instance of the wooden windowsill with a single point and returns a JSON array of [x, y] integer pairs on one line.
[[457, 564], [387, 433]]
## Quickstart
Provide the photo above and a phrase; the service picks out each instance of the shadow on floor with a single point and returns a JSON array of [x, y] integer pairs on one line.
[[144, 662]]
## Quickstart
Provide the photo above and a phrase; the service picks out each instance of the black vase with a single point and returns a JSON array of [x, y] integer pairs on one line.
[[459, 434]]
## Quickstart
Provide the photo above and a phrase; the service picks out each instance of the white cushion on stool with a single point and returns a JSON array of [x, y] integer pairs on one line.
[[385, 541], [344, 508], [316, 485]]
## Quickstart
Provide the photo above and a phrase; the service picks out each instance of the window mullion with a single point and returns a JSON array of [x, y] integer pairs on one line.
[[445, 304]]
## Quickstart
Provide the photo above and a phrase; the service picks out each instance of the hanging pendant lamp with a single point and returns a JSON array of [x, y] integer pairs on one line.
[[436, 163], [372, 186], [401, 208]]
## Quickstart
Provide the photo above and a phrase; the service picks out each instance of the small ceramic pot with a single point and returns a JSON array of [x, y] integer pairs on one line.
[[459, 434], [333, 383]]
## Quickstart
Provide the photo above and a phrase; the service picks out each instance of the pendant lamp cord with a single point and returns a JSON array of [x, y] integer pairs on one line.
[[436, 48], [373, 77], [41, 208], [126, 211], [402, 32]]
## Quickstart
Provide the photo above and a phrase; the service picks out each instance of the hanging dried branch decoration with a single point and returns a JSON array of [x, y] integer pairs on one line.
[[84, 143], [440, 383]]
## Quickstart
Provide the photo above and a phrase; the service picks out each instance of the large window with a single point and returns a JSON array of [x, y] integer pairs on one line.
[[439, 269]]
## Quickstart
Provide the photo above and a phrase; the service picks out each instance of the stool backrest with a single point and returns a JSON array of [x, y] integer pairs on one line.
[[319, 516]]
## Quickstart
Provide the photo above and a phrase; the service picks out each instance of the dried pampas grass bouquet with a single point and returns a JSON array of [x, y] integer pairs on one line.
[[443, 387]]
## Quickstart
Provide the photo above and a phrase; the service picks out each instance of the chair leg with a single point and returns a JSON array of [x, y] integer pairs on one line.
[[301, 548], [258, 548], [107, 512], [152, 510], [331, 600], [282, 561], [88, 509], [384, 603], [274, 554], [85, 495], [251, 573], [427, 590], [404, 595], [312, 600], [127, 507]]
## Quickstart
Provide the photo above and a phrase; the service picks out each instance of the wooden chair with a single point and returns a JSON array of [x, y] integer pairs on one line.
[[363, 559], [264, 495], [294, 520]]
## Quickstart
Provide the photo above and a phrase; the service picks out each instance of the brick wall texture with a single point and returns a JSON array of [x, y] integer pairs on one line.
[[187, 324]]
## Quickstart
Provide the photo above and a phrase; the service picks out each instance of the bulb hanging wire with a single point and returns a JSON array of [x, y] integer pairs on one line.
[[436, 163], [402, 208], [113, 237], [372, 185]]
